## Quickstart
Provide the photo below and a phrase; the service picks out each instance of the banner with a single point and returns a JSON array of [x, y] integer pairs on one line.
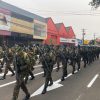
[[64, 40]]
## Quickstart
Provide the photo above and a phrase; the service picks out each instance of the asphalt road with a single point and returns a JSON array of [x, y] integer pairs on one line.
[[83, 85]]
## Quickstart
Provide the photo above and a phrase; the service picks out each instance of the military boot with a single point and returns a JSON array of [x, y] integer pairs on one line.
[[13, 74], [32, 77], [44, 91], [27, 97], [51, 83], [62, 79]]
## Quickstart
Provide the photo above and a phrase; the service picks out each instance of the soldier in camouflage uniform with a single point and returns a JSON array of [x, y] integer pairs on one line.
[[97, 52], [75, 59], [1, 59], [58, 57], [64, 57], [48, 62], [8, 59], [84, 55], [21, 61], [31, 56]]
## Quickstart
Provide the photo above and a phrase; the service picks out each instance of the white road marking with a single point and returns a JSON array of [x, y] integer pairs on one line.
[[34, 75], [7, 84], [92, 81], [54, 86], [9, 73], [80, 96], [37, 66], [15, 81]]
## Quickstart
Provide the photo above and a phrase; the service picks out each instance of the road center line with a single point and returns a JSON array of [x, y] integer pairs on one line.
[[92, 81]]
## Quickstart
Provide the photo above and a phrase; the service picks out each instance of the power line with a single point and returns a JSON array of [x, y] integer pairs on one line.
[[87, 12], [80, 14]]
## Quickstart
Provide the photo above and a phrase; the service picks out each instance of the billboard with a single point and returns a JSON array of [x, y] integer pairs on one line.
[[21, 26], [40, 30]]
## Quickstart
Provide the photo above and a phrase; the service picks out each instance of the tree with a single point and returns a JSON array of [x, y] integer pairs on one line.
[[95, 3]]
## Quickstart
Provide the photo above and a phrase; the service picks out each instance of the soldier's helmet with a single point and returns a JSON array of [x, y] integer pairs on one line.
[[47, 50]]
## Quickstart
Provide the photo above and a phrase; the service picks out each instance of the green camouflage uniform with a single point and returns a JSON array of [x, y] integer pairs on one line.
[[21, 68]]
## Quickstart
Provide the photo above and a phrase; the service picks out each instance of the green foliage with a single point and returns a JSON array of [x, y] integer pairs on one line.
[[95, 3]]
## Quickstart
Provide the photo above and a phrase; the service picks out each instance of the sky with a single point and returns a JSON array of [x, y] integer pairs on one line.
[[76, 13]]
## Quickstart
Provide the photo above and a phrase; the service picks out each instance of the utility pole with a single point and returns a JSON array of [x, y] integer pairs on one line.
[[83, 33]]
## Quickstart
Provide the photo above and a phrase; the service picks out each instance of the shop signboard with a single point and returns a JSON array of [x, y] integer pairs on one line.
[[21, 26], [67, 40]]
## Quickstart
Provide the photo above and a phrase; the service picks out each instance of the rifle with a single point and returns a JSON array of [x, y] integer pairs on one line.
[[43, 59]]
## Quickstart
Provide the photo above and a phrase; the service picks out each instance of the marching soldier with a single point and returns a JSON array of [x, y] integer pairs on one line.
[[1, 59], [75, 59], [58, 57], [31, 64], [21, 68], [8, 59], [84, 56], [48, 63], [64, 57]]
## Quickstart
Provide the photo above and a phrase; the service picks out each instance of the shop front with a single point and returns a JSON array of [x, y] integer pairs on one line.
[[68, 42]]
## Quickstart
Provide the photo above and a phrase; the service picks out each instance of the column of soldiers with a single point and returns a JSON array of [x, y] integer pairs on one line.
[[23, 58]]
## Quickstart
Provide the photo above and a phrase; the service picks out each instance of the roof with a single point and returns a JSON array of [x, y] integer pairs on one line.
[[46, 19], [58, 25], [70, 32], [15, 9]]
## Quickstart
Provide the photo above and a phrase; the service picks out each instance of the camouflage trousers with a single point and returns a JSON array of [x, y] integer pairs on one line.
[[7, 67], [20, 83]]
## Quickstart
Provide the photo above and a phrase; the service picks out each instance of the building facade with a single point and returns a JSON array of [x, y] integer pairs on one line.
[[52, 33], [17, 25]]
